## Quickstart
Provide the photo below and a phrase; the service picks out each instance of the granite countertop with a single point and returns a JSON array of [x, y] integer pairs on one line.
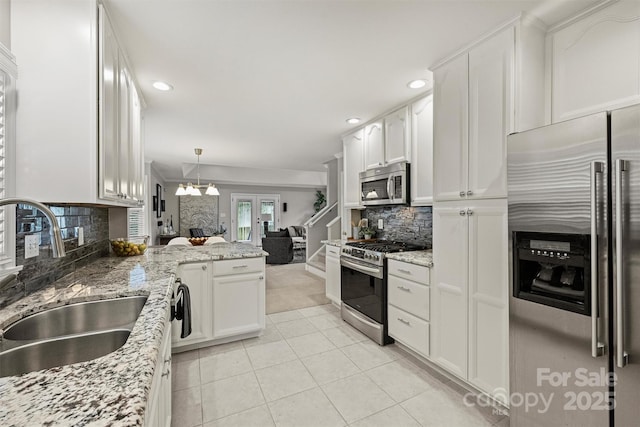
[[336, 242], [112, 389], [423, 258]]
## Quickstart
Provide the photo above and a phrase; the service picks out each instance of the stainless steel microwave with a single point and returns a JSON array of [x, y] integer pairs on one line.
[[387, 185]]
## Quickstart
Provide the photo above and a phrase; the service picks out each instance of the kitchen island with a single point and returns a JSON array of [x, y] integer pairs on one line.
[[113, 389]]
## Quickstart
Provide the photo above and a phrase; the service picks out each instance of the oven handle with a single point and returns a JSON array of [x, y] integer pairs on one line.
[[390, 190], [357, 315], [377, 272]]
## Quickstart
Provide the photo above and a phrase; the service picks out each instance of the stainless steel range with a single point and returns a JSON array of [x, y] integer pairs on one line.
[[363, 285]]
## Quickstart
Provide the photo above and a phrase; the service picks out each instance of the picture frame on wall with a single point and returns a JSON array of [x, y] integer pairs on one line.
[[162, 206], [157, 201]]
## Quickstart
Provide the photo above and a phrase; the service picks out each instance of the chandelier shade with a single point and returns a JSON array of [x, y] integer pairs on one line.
[[194, 189]]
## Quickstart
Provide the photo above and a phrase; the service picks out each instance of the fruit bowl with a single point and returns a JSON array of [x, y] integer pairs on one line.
[[129, 247], [197, 241]]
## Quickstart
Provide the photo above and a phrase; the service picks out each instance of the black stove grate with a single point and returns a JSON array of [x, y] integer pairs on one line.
[[386, 246]]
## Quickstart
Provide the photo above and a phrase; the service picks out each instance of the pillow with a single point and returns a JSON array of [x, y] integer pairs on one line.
[[281, 233], [300, 230], [292, 231]]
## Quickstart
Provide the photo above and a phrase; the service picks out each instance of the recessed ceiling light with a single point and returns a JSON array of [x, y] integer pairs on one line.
[[416, 84], [162, 86], [353, 120]]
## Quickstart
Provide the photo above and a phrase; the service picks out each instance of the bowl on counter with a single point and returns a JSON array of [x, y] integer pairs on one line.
[[198, 241], [131, 246]]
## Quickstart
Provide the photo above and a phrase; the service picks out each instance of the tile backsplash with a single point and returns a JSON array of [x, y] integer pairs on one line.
[[411, 224], [43, 269]]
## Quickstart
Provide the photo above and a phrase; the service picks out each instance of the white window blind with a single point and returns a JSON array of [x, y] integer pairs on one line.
[[4, 258], [135, 222]]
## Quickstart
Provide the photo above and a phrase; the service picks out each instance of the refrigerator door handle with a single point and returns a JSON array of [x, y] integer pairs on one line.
[[597, 348], [622, 357]]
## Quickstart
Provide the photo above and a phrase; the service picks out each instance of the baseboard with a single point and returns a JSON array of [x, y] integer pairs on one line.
[[314, 270]]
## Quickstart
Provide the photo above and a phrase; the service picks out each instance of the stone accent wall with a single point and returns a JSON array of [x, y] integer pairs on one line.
[[402, 223], [44, 269], [199, 212]]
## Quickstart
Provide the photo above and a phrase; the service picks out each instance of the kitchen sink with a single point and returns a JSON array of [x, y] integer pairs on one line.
[[77, 318], [53, 352]]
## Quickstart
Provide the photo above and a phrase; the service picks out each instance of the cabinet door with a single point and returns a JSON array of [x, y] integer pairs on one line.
[[491, 66], [109, 72], [422, 152], [489, 297], [396, 137], [449, 288], [450, 132], [332, 279], [197, 276], [595, 63], [374, 145], [124, 136], [353, 146], [136, 163], [238, 304]]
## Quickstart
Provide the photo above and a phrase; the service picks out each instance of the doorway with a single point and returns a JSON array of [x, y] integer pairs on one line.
[[250, 212]]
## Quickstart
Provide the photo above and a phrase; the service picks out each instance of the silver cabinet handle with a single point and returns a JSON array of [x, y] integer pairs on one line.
[[462, 193], [469, 193], [261, 277], [462, 212], [469, 212], [597, 348], [404, 271], [406, 322], [204, 267], [622, 357], [240, 266], [404, 289], [166, 374]]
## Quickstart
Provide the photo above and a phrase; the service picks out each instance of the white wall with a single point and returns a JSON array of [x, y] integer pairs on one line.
[[171, 206], [5, 23]]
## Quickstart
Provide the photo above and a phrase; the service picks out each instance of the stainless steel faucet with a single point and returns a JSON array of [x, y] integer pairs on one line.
[[57, 245]]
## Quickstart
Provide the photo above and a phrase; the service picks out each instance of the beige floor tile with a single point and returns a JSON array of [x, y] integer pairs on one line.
[[295, 328], [314, 311], [325, 321], [284, 380], [394, 416], [270, 354], [342, 337], [185, 374], [330, 366], [398, 380], [256, 417], [224, 365], [185, 356], [271, 334], [186, 407], [357, 397], [307, 409], [367, 355], [307, 345], [230, 396], [220, 348], [443, 408], [285, 316]]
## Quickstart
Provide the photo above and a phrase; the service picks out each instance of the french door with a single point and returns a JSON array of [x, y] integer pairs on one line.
[[250, 212]]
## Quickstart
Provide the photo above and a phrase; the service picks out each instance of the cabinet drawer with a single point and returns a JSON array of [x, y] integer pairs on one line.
[[238, 266], [409, 296], [409, 330], [333, 250], [406, 270]]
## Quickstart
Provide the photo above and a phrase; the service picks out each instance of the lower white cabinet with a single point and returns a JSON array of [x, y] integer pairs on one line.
[[333, 276], [198, 277], [470, 310], [159, 408], [408, 305], [238, 297]]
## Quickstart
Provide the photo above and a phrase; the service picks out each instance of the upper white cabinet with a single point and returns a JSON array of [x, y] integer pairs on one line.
[[475, 99], [79, 109], [422, 151], [594, 62], [374, 145], [353, 155], [397, 133]]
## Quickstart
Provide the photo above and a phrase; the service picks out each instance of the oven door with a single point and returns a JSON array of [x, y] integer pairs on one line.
[[362, 288]]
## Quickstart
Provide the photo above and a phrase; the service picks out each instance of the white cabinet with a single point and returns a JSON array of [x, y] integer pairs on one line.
[[594, 62], [422, 152], [159, 404], [353, 154], [408, 305], [198, 278], [60, 91], [470, 292], [397, 147], [238, 297], [374, 145], [333, 274]]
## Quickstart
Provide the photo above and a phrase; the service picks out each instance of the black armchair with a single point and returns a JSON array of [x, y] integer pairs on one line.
[[280, 249], [196, 232]]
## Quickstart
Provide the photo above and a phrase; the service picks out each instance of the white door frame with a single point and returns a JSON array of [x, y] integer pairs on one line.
[[256, 223]]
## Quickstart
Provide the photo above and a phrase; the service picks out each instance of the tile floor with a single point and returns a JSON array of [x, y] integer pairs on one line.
[[312, 369]]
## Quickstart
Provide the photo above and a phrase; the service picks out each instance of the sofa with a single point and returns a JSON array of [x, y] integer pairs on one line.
[[279, 246], [299, 236]]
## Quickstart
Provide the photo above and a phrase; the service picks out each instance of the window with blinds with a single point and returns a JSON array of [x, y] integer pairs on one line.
[[135, 222], [4, 259]]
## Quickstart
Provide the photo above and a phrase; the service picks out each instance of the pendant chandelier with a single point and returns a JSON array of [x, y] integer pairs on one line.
[[194, 189]]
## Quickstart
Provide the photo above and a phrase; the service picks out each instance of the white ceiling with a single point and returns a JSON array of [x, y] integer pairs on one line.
[[269, 84]]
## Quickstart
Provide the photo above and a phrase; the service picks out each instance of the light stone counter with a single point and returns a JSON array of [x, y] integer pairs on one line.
[[423, 258], [336, 242], [113, 389]]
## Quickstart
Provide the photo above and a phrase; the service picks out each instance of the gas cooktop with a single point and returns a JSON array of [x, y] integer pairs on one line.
[[386, 246]]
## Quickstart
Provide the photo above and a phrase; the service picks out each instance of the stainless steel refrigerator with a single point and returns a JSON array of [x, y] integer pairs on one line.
[[574, 227]]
